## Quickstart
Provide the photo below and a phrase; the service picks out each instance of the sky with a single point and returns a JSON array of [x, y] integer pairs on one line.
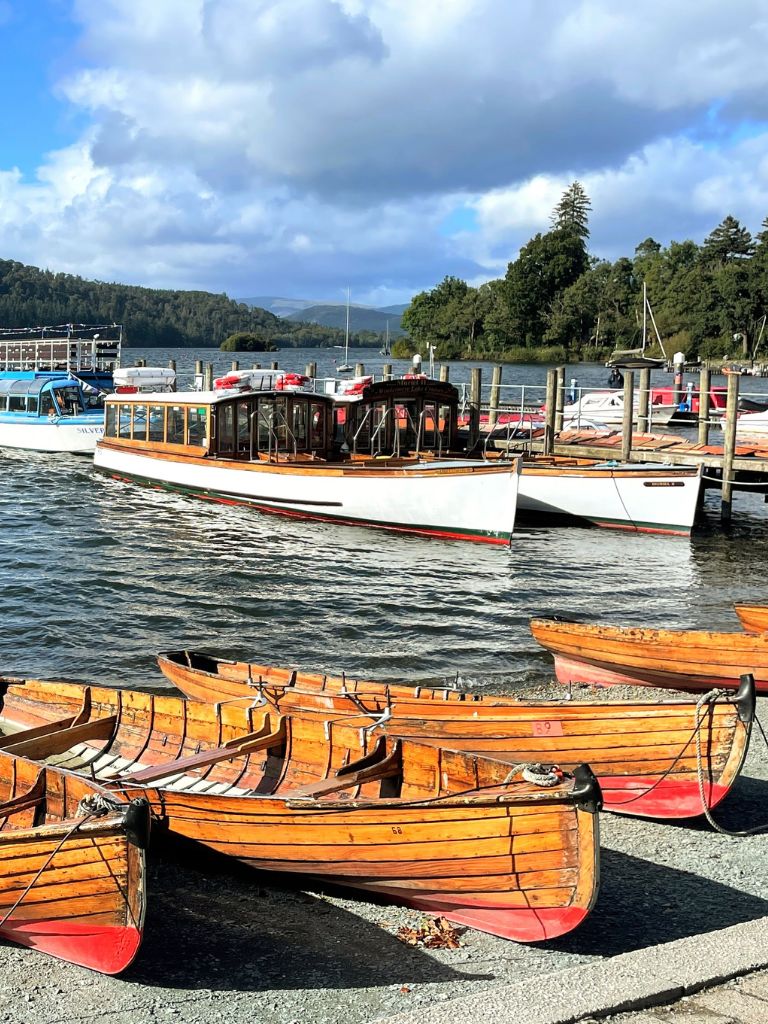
[[299, 147]]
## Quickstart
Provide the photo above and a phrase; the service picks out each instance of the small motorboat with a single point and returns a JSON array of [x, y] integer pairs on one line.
[[608, 407], [511, 850], [643, 754]]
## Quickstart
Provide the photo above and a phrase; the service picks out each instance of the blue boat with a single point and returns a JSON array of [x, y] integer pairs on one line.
[[50, 411]]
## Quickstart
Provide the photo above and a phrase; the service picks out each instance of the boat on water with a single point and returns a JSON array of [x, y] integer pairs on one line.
[[511, 850], [679, 659], [753, 617], [265, 442], [72, 862], [50, 411], [607, 407], [419, 416], [661, 760], [749, 423]]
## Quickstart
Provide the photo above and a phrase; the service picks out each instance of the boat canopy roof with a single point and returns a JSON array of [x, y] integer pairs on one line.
[[33, 385], [213, 397]]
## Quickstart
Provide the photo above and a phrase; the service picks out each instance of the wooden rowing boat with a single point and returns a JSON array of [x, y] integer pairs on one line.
[[71, 865], [646, 756], [753, 617], [680, 659], [441, 830]]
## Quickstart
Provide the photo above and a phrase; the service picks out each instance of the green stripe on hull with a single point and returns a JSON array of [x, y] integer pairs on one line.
[[450, 533]]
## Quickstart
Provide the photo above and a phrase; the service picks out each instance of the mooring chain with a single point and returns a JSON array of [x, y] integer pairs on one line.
[[710, 698]]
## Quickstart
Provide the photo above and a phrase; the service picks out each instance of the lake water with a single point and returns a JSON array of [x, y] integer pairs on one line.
[[97, 576]]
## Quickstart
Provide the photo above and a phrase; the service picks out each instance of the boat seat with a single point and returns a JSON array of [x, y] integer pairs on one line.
[[370, 768]]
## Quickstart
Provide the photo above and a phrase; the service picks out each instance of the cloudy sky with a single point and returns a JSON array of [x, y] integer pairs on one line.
[[294, 147]]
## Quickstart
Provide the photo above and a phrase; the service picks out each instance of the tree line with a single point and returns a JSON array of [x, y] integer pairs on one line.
[[30, 297], [556, 301]]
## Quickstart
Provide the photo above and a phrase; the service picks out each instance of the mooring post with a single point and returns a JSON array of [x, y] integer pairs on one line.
[[644, 400], [311, 371], [493, 409], [475, 386], [257, 366], [444, 371], [386, 371], [729, 446], [172, 366], [549, 412], [141, 362], [208, 383], [273, 366], [235, 366], [705, 378], [359, 369], [559, 398], [626, 425]]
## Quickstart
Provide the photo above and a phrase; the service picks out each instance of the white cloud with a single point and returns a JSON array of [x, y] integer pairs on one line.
[[287, 145]]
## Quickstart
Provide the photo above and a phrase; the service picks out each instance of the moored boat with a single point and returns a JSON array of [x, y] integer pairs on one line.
[[446, 831], [680, 659], [72, 874], [49, 412], [753, 617], [661, 760], [608, 407], [270, 445]]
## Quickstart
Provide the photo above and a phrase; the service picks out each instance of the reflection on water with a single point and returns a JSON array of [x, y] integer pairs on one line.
[[96, 576]]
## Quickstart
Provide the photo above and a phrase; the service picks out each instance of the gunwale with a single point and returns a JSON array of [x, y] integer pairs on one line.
[[72, 878], [270, 806], [691, 660], [644, 754], [752, 617]]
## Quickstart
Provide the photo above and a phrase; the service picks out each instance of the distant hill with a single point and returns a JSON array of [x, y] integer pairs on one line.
[[276, 305], [361, 318], [399, 308]]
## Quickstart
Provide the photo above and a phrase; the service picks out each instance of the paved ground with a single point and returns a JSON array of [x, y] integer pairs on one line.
[[743, 1001]]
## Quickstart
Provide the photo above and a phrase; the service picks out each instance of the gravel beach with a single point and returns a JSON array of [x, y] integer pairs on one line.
[[226, 944]]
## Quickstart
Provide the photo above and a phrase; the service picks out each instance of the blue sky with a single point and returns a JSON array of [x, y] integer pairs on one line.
[[291, 147]]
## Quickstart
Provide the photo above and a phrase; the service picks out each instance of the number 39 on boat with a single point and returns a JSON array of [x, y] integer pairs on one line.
[[269, 444]]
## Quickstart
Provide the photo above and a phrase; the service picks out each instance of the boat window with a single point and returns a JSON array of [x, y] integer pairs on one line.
[[140, 423], [196, 426], [244, 428], [379, 427], [429, 428], [446, 426], [46, 404], [32, 403], [175, 425], [225, 428], [3, 403], [110, 423], [407, 418], [299, 427], [264, 422], [281, 425], [157, 423], [317, 426], [124, 420]]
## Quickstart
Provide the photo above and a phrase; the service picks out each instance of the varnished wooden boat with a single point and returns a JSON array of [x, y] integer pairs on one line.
[[680, 659], [753, 617], [71, 866], [644, 755], [444, 831]]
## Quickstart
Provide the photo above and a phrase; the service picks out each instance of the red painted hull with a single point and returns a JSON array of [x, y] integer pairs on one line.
[[105, 948], [666, 798]]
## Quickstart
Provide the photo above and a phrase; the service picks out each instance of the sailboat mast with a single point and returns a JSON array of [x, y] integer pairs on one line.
[[645, 315], [346, 342]]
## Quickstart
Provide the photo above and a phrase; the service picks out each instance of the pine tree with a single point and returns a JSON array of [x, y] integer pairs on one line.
[[728, 242], [572, 212]]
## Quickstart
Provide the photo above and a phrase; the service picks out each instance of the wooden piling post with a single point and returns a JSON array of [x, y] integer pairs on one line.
[[257, 366], [729, 447], [444, 372], [235, 366], [359, 369], [626, 425], [493, 411], [208, 384], [311, 371], [273, 366], [475, 388], [644, 400], [549, 412], [705, 380], [559, 398], [172, 366], [140, 362]]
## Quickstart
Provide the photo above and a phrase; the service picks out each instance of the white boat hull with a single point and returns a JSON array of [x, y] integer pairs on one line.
[[460, 499], [608, 408], [51, 435], [640, 498], [750, 423]]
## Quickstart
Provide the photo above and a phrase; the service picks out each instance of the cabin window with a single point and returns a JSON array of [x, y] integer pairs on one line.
[[407, 419], [225, 425], [244, 428], [110, 422], [157, 423], [264, 441], [196, 426], [299, 427], [17, 403], [140, 423], [281, 424], [46, 404], [32, 403], [446, 426], [175, 425], [429, 426], [317, 426], [124, 421], [3, 403]]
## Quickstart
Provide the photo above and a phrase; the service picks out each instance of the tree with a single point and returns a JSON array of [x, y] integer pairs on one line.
[[728, 242], [572, 212]]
